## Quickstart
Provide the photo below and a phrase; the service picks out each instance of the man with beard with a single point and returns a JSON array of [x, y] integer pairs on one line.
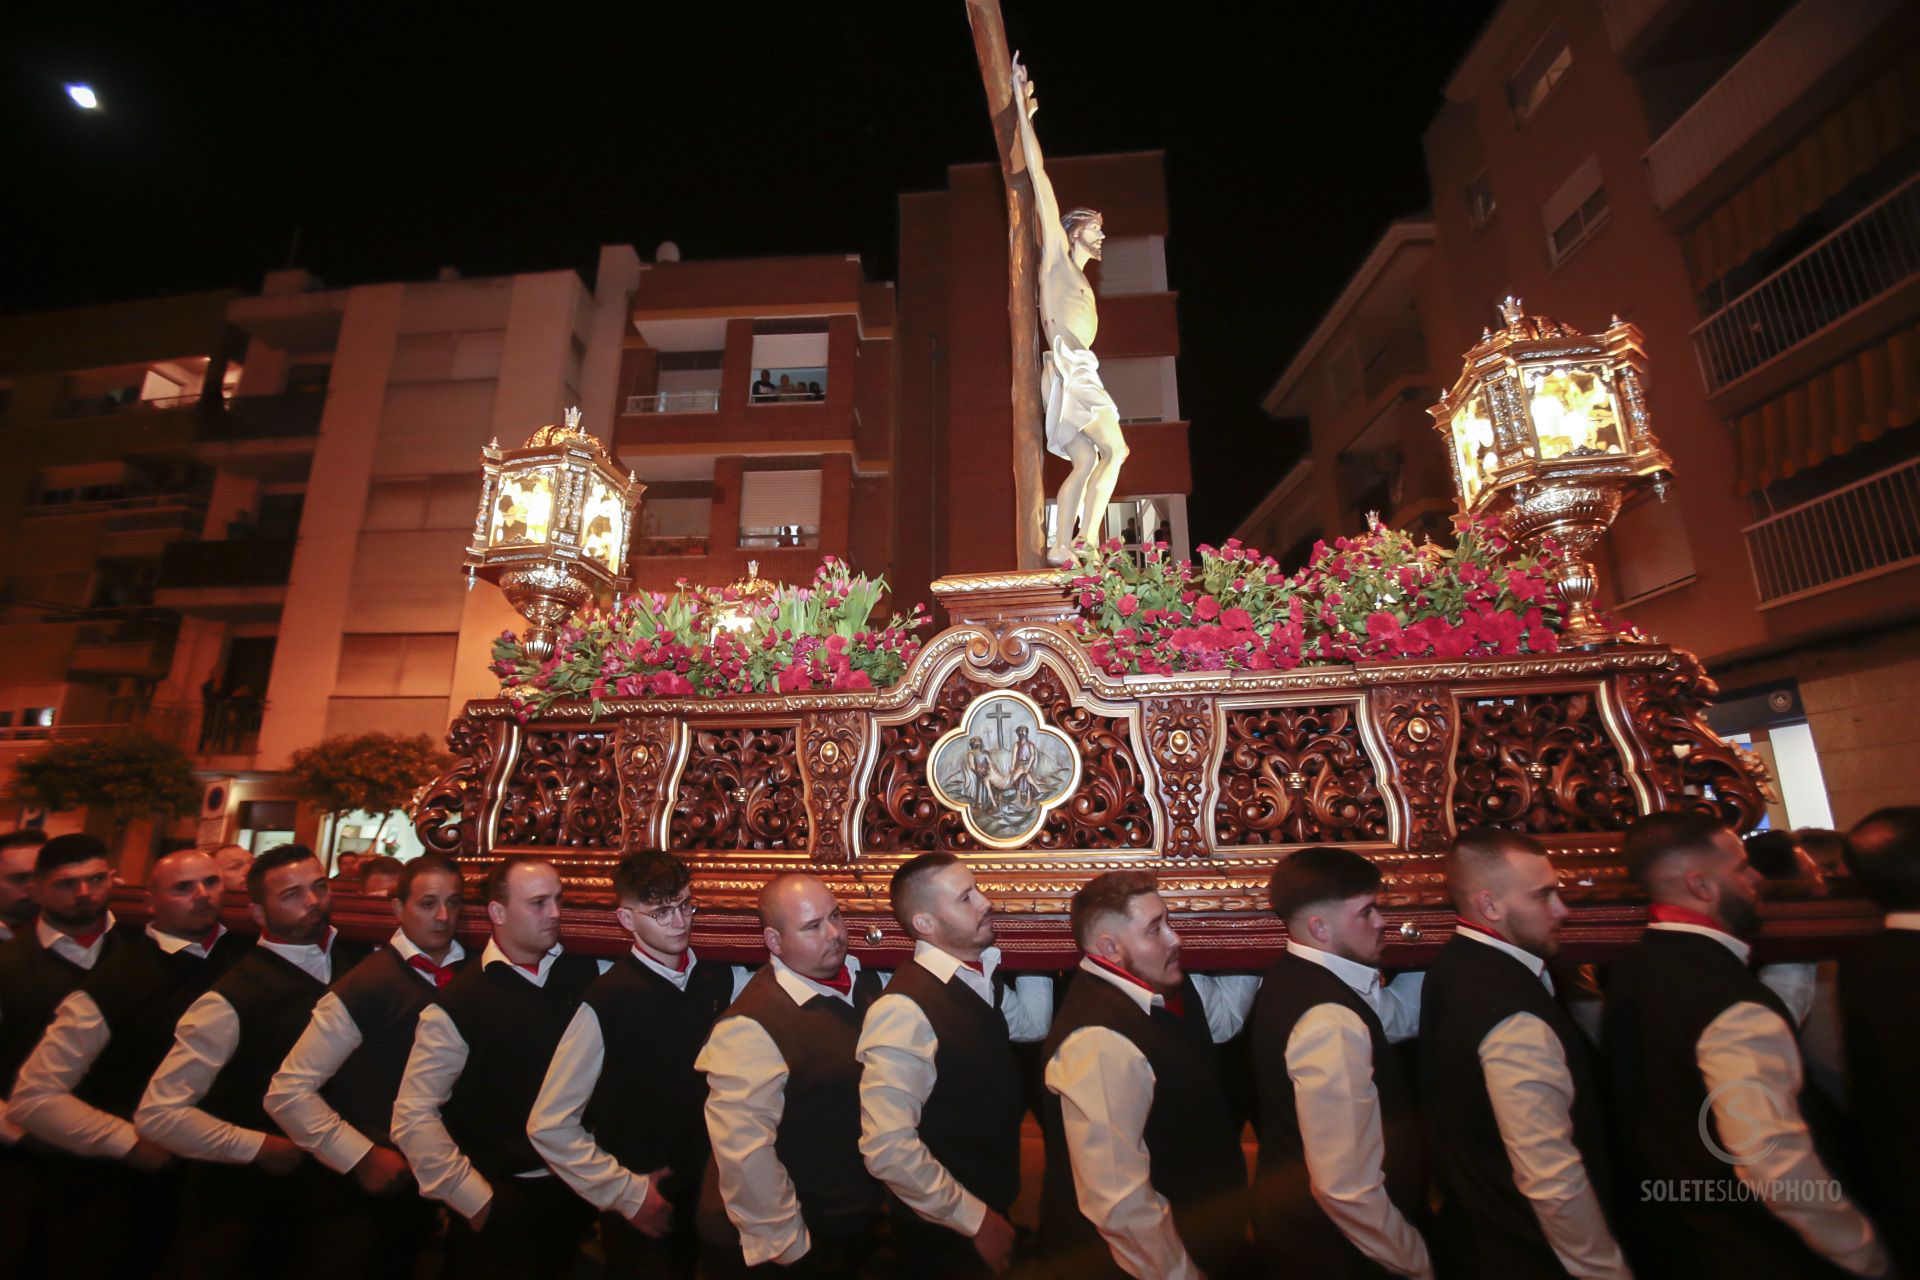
[[40, 967], [480, 1051], [783, 1094], [639, 1156], [78, 1089], [17, 851], [940, 1094], [334, 1093], [1519, 1141], [1342, 1182], [204, 1104], [1706, 1079], [1144, 1174]]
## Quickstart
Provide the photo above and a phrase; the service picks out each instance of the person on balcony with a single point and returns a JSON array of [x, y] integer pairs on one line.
[[763, 388]]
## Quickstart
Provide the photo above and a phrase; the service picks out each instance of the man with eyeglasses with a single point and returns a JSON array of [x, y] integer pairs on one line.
[[639, 1155]]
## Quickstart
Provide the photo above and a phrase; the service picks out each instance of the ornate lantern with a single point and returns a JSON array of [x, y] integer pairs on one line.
[[554, 522], [1548, 430]]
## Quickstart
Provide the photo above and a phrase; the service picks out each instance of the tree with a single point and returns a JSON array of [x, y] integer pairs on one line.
[[131, 775], [371, 772]]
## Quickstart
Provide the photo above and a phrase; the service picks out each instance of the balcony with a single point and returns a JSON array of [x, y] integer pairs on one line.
[[112, 405], [141, 647], [289, 417], [1808, 42], [1858, 531], [675, 402], [1863, 260], [236, 580]]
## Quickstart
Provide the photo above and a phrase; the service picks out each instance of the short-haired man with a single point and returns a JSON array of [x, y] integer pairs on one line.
[[380, 877], [940, 1089], [204, 1103], [17, 851], [1519, 1141], [479, 1054], [234, 861], [1143, 1156], [783, 1090], [40, 967], [78, 1089], [1880, 1023], [1341, 1186], [1706, 1077], [639, 1156], [334, 1092]]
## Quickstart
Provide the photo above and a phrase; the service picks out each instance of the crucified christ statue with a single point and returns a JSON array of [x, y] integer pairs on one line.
[[1083, 424]]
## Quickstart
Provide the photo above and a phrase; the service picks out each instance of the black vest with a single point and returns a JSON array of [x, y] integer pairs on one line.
[[274, 998], [33, 982], [1288, 1223], [971, 1120], [819, 1138], [141, 991], [1662, 994], [384, 996], [652, 1031], [1193, 1147], [1471, 988], [511, 1028], [1880, 1021]]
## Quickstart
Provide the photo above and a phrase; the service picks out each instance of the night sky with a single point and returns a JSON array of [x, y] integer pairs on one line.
[[500, 140]]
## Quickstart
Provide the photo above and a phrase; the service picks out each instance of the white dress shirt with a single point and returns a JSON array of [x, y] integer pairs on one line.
[[64, 946], [293, 1099], [1329, 1058], [1106, 1089], [1531, 1088], [433, 1069], [204, 1041], [43, 1101], [896, 1053], [746, 1096], [557, 1125], [1748, 1045]]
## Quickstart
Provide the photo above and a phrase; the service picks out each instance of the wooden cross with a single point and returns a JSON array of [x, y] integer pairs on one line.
[[1000, 715]]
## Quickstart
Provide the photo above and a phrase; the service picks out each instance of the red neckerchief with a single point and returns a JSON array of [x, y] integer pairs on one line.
[[533, 968], [1176, 1004], [842, 982], [977, 966], [683, 962], [213, 936], [91, 936], [1661, 913], [440, 973], [1461, 922]]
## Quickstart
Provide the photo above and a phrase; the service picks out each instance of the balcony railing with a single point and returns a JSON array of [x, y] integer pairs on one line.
[[233, 562], [1858, 531], [100, 406], [1859, 261], [1810, 39], [288, 417], [675, 402], [133, 511]]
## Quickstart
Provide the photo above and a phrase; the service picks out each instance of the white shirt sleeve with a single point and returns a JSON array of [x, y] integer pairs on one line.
[[1752, 1072], [1330, 1061], [169, 1113], [433, 1068], [896, 1055], [1400, 1006], [1027, 1005], [1793, 982], [294, 1101], [557, 1124], [1106, 1089], [746, 1096], [1229, 998], [43, 1101], [1531, 1089]]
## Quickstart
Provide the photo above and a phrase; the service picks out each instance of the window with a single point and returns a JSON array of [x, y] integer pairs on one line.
[[1544, 68], [1132, 264], [376, 666], [1650, 548], [780, 509], [422, 502], [1573, 212], [1141, 387], [791, 357], [1480, 202]]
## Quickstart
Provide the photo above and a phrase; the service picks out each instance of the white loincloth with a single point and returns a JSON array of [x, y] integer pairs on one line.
[[1075, 395]]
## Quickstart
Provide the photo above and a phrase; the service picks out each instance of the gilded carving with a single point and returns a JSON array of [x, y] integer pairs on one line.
[[1180, 741], [1415, 722], [564, 792], [741, 789], [1687, 764], [831, 743], [1538, 762], [1297, 775], [647, 751]]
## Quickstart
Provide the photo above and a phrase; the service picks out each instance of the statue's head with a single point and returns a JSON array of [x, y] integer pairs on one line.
[[1085, 229]]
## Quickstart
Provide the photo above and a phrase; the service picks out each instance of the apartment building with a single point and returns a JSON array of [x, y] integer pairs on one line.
[[1738, 178]]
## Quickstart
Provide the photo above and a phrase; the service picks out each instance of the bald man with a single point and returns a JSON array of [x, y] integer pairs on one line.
[[234, 861], [1518, 1139], [78, 1088], [783, 1092]]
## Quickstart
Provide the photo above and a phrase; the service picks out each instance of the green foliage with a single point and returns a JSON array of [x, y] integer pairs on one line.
[[133, 775], [371, 772]]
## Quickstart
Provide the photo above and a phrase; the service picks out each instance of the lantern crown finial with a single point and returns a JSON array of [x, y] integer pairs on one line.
[[573, 417], [1510, 310]]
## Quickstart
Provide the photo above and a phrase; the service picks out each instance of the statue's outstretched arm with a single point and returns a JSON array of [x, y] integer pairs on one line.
[[1045, 206]]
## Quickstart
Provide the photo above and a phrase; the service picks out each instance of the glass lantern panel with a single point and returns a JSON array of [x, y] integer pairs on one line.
[[1473, 449], [524, 510], [1573, 410], [603, 526]]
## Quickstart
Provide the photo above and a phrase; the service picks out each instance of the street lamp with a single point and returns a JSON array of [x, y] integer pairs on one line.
[[553, 525], [1548, 429]]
